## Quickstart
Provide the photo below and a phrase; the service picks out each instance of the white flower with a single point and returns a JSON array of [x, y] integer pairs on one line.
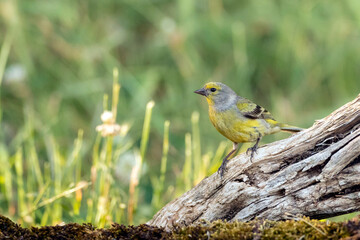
[[109, 127]]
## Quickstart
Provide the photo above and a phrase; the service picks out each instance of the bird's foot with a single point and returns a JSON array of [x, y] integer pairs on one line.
[[252, 150], [222, 168]]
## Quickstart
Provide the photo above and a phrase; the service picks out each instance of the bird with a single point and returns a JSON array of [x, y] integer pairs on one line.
[[239, 119]]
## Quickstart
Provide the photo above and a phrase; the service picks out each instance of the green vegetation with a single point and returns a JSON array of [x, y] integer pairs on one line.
[[299, 59]]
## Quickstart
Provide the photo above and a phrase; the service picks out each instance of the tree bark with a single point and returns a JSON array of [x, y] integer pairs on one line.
[[315, 173]]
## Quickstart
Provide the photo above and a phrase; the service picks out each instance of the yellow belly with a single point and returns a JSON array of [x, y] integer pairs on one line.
[[238, 128]]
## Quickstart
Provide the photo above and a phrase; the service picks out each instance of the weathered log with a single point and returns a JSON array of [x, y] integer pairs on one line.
[[315, 173]]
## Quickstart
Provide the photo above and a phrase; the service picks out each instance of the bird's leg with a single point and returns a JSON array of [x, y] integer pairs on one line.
[[222, 168], [253, 148]]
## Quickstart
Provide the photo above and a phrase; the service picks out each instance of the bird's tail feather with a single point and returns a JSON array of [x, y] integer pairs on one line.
[[291, 129]]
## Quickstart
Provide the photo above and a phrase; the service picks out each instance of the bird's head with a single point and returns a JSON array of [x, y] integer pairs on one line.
[[217, 93]]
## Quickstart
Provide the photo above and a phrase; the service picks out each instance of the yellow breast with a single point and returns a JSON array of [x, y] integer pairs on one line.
[[238, 128]]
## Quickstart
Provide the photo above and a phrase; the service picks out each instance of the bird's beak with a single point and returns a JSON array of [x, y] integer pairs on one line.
[[201, 91]]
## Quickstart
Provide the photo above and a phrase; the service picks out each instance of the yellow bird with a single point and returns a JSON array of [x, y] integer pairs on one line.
[[239, 119]]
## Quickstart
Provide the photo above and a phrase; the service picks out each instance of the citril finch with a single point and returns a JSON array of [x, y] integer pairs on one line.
[[239, 119]]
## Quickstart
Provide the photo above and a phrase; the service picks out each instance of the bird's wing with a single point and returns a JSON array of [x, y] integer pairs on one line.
[[252, 110]]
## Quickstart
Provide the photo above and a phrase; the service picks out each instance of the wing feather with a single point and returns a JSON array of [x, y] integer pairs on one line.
[[252, 110]]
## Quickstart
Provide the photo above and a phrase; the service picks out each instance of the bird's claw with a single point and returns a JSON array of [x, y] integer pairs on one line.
[[252, 150], [222, 168]]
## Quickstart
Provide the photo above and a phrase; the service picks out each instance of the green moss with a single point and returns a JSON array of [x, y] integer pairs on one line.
[[306, 228], [302, 228], [216, 230]]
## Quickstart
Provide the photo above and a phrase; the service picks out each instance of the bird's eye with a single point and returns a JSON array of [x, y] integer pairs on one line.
[[213, 89]]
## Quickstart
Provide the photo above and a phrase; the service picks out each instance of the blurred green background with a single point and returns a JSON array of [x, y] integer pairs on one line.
[[299, 59]]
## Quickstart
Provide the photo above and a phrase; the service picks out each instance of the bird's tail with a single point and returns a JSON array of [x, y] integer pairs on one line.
[[288, 128]]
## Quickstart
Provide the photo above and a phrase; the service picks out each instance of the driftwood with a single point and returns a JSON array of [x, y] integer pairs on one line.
[[315, 173]]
